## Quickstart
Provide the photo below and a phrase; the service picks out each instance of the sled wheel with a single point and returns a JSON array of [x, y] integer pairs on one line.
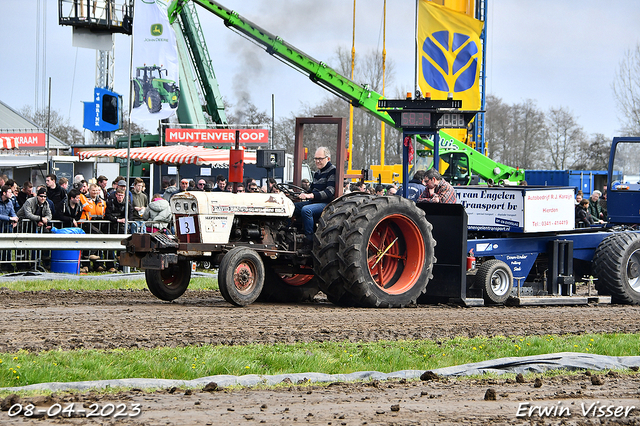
[[496, 280], [326, 247], [241, 276], [281, 288], [171, 283], [154, 101], [616, 264], [388, 253], [137, 95]]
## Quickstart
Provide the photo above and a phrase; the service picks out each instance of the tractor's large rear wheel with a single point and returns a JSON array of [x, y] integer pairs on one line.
[[616, 264], [326, 246], [241, 276], [171, 283], [154, 101], [387, 253], [288, 288]]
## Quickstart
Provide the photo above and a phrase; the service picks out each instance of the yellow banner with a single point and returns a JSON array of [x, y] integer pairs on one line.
[[450, 54], [468, 7]]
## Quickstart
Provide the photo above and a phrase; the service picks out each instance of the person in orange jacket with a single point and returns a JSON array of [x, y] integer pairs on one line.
[[95, 207]]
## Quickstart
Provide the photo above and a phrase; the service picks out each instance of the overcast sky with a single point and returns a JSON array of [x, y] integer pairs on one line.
[[558, 53]]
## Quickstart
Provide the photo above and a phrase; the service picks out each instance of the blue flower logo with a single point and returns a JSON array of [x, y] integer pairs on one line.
[[441, 46]]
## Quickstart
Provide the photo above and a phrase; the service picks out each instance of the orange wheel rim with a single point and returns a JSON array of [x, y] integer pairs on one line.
[[395, 254], [297, 279], [244, 277]]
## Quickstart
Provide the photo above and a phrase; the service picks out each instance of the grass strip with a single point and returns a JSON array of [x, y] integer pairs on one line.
[[93, 283], [186, 363]]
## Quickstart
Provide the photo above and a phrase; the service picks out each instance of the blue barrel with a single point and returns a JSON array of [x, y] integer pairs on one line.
[[65, 261]]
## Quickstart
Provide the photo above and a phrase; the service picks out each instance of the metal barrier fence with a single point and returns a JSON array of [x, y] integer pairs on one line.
[[28, 246]]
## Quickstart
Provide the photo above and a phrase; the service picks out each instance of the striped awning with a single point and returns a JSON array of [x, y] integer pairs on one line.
[[176, 154], [8, 142]]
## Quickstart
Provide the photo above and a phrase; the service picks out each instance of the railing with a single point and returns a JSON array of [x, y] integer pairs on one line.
[[28, 246]]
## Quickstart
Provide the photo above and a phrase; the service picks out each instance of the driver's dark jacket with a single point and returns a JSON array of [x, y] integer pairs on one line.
[[324, 184]]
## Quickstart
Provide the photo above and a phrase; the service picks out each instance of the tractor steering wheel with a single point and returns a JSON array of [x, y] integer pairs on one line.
[[290, 190]]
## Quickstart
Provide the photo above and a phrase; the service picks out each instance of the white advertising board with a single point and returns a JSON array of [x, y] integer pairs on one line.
[[493, 209], [549, 210], [518, 209]]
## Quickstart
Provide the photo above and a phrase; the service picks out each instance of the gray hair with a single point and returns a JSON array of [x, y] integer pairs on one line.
[[595, 191], [326, 151]]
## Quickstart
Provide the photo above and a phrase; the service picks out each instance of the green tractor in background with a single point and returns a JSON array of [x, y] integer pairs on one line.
[[150, 88]]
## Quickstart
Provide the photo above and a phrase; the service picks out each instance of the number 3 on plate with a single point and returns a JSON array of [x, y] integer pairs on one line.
[[186, 225]]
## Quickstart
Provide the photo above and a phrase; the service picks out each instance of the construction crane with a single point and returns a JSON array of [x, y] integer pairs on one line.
[[358, 95]]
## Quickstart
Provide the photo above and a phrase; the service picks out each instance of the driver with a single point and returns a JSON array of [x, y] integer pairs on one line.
[[321, 192]]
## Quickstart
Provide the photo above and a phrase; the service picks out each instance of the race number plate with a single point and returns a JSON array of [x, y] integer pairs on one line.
[[186, 225]]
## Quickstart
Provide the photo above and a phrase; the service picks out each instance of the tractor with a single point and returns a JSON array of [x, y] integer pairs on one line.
[[500, 244], [367, 251], [150, 88]]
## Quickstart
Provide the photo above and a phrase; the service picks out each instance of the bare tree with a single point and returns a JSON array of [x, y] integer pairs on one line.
[[249, 115], [58, 125], [593, 153], [366, 128], [134, 128], [563, 136], [514, 133], [626, 89]]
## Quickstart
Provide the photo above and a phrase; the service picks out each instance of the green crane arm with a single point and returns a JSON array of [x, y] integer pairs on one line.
[[190, 25], [323, 75]]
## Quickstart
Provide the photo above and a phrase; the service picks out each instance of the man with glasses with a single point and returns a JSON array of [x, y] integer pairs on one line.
[[36, 209], [321, 192], [201, 184], [184, 185], [437, 190]]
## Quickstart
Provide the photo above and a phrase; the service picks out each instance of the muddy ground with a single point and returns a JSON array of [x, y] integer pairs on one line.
[[38, 321]]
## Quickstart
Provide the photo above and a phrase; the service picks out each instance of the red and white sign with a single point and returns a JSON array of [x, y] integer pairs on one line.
[[216, 137], [23, 140]]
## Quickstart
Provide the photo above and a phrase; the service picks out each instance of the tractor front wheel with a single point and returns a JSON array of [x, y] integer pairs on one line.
[[171, 283], [241, 276], [154, 101]]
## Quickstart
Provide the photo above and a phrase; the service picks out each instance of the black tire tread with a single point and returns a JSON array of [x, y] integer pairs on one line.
[[165, 292], [356, 280], [156, 101], [326, 247], [225, 281], [483, 279], [609, 269]]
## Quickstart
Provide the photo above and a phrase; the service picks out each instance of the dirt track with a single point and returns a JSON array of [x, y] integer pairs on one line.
[[38, 321]]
